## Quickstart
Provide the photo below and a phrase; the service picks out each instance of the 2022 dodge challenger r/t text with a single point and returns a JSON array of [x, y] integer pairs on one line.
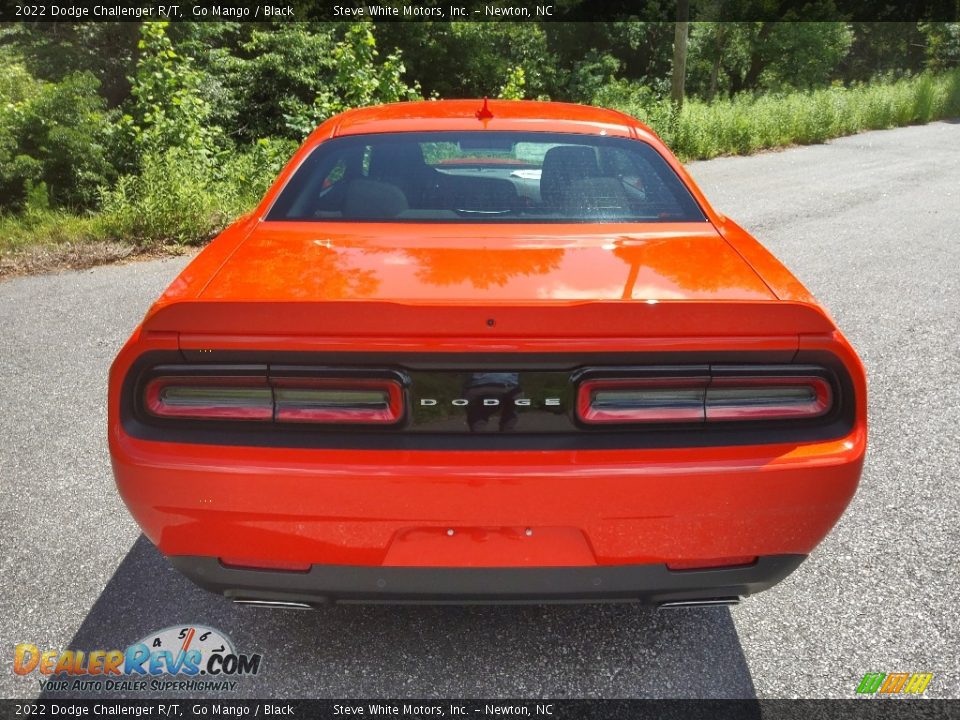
[[486, 352]]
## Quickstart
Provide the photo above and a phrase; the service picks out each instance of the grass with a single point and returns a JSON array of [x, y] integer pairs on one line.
[[177, 201], [37, 242], [748, 124]]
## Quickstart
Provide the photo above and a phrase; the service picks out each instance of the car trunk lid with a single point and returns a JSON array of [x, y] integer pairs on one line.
[[446, 263], [541, 281]]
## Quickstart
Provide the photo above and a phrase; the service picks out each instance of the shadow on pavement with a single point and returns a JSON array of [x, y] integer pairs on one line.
[[603, 651]]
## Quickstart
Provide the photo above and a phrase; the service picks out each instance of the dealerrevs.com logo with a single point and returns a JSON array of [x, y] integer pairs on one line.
[[181, 658]]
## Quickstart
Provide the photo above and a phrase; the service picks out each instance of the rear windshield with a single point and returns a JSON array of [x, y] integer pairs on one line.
[[483, 176]]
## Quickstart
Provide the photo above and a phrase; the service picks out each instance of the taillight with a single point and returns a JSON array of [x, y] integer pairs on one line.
[[328, 400], [641, 400], [767, 398], [703, 399], [232, 398], [339, 401]]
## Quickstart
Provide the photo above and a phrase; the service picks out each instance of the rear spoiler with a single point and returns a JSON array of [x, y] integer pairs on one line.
[[222, 323]]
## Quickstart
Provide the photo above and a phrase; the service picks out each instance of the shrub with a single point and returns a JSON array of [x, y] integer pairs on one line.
[[173, 199], [59, 134], [183, 197]]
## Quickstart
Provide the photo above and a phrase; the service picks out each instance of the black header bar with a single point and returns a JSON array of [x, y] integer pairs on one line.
[[475, 10]]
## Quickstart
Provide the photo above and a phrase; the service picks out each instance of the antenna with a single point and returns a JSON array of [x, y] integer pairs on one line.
[[484, 113]]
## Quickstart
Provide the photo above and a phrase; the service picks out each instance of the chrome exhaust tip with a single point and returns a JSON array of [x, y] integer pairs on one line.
[[709, 602], [278, 604]]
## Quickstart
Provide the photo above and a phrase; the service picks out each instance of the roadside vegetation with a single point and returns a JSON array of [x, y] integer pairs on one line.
[[747, 123], [133, 138]]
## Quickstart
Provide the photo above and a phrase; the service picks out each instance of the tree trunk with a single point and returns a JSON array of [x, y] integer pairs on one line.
[[680, 53], [717, 60], [758, 60]]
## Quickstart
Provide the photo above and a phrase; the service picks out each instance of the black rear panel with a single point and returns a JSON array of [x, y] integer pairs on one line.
[[502, 403]]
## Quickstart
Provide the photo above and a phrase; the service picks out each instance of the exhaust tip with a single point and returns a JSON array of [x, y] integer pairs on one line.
[[705, 603], [278, 604]]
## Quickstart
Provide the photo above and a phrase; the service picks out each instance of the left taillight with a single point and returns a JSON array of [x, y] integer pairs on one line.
[[338, 401], [327, 400], [209, 398]]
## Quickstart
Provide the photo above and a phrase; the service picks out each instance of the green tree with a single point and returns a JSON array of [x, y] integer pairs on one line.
[[53, 50], [733, 57], [471, 59], [943, 44], [271, 74], [57, 135], [168, 108], [359, 80], [514, 87]]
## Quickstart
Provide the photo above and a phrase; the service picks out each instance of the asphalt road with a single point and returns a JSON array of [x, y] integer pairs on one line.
[[870, 223]]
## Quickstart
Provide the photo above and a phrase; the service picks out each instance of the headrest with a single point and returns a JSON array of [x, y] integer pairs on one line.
[[371, 199], [395, 158], [561, 166]]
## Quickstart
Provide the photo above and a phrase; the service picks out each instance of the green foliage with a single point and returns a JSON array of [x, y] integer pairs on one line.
[[58, 133], [746, 123], [184, 197], [53, 50], [168, 132], [37, 198], [52, 227], [943, 44], [252, 170], [359, 80], [168, 109], [591, 74], [174, 198], [471, 59], [772, 56], [513, 88], [271, 75]]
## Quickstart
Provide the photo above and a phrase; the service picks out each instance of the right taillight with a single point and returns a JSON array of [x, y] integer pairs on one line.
[[641, 400], [767, 398], [722, 398]]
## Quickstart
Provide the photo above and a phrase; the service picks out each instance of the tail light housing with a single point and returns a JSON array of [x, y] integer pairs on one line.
[[209, 398], [641, 400], [767, 398], [737, 396], [318, 400], [338, 400]]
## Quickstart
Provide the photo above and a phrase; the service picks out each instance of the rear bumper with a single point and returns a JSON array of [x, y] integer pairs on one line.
[[255, 507], [653, 584]]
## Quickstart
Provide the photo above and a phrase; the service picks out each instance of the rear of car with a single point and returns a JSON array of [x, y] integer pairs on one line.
[[503, 359]]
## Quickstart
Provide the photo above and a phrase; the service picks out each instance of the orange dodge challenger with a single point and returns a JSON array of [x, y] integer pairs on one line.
[[486, 352]]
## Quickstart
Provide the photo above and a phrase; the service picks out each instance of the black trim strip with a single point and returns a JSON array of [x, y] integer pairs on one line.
[[354, 583]]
